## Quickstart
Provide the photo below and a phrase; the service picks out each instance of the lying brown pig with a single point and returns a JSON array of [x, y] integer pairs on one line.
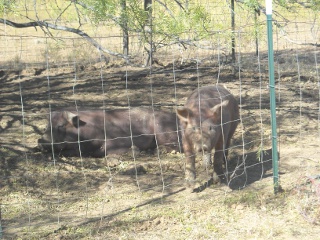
[[98, 133]]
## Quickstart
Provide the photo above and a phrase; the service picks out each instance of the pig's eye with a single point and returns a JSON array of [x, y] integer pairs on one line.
[[211, 128], [194, 128], [60, 128]]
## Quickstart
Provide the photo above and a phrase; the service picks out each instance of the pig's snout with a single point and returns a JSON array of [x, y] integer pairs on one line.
[[43, 144], [201, 148]]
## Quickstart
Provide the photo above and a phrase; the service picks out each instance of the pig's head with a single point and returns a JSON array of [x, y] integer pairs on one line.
[[202, 132], [61, 133]]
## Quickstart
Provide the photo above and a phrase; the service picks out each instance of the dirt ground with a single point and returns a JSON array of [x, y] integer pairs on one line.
[[45, 196]]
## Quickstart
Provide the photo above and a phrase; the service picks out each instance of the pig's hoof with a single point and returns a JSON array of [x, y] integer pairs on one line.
[[215, 178]]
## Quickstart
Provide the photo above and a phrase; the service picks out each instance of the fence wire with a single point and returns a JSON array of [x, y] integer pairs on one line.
[[50, 195]]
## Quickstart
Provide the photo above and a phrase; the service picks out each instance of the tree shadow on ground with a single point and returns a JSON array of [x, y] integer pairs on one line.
[[251, 168]]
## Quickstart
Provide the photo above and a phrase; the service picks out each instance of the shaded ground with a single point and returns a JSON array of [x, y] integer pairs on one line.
[[143, 197]]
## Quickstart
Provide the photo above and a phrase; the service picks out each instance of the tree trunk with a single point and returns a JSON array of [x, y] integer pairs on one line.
[[233, 41], [124, 26], [256, 14], [148, 31]]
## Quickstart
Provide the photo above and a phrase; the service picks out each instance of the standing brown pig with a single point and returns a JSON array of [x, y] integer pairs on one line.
[[209, 119]]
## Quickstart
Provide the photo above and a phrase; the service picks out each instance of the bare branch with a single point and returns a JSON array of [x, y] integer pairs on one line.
[[83, 5], [180, 5], [78, 14], [62, 12], [44, 24]]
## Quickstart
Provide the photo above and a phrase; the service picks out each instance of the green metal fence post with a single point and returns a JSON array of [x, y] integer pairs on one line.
[[272, 98]]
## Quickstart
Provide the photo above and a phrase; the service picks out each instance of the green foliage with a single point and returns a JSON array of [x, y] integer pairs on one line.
[[315, 5], [293, 5], [194, 21], [168, 20], [171, 21], [7, 6], [252, 4], [283, 3], [100, 10], [136, 17]]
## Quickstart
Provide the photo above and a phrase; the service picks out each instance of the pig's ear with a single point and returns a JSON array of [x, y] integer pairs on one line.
[[215, 112], [73, 119], [183, 114]]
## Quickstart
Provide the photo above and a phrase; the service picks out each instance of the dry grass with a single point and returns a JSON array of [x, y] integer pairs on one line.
[[52, 197]]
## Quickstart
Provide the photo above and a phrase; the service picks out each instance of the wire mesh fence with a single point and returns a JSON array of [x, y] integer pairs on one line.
[[124, 196]]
